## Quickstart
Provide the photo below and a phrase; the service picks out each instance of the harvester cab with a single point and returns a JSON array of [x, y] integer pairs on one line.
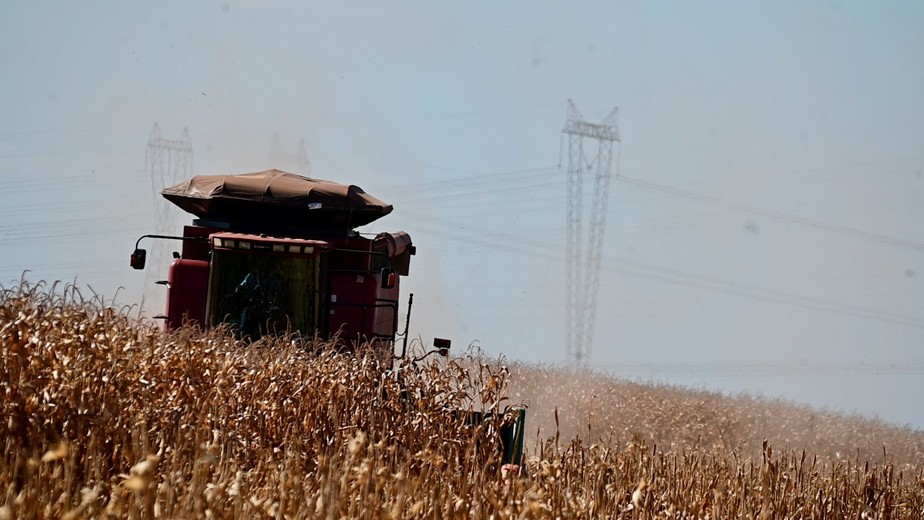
[[273, 252]]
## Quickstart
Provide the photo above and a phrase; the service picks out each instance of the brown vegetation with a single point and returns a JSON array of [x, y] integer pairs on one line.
[[105, 416], [602, 409]]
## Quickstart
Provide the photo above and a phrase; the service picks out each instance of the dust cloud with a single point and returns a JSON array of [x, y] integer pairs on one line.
[[568, 404]]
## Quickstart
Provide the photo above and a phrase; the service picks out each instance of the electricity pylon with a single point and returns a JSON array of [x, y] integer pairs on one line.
[[167, 161], [583, 260], [282, 158], [301, 159]]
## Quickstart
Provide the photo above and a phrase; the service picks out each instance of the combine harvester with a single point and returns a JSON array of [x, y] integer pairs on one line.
[[277, 253]]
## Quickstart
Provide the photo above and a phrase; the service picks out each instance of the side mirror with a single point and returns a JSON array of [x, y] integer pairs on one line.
[[442, 346], [138, 257], [388, 278]]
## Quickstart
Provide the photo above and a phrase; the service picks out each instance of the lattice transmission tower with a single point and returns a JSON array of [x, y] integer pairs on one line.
[[583, 259], [296, 162], [301, 159], [167, 162]]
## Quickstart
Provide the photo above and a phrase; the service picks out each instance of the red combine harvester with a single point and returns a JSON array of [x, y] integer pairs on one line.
[[273, 252]]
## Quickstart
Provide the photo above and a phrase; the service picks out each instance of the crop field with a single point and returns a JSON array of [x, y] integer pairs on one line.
[[104, 416]]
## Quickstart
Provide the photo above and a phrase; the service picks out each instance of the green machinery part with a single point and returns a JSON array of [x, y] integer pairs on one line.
[[512, 434]]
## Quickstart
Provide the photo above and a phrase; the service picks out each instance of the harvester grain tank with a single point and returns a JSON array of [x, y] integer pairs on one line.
[[274, 252]]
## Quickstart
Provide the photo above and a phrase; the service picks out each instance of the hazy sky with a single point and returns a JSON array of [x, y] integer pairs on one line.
[[764, 234]]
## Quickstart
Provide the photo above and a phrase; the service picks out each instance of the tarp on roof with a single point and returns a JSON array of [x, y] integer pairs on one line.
[[278, 198]]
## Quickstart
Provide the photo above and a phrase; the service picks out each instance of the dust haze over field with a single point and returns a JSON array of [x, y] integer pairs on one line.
[[739, 124], [602, 409]]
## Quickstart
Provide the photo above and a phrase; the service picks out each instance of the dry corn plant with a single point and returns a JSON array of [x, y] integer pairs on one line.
[[106, 416]]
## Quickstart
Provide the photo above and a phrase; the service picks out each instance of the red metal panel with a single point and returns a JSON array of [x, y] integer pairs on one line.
[[350, 253], [186, 291], [351, 304], [386, 311], [195, 249]]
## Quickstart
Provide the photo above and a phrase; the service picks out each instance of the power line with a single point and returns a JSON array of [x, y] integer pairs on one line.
[[761, 294], [521, 245], [766, 369], [834, 228]]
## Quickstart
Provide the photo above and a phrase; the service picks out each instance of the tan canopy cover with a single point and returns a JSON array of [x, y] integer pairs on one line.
[[277, 198]]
